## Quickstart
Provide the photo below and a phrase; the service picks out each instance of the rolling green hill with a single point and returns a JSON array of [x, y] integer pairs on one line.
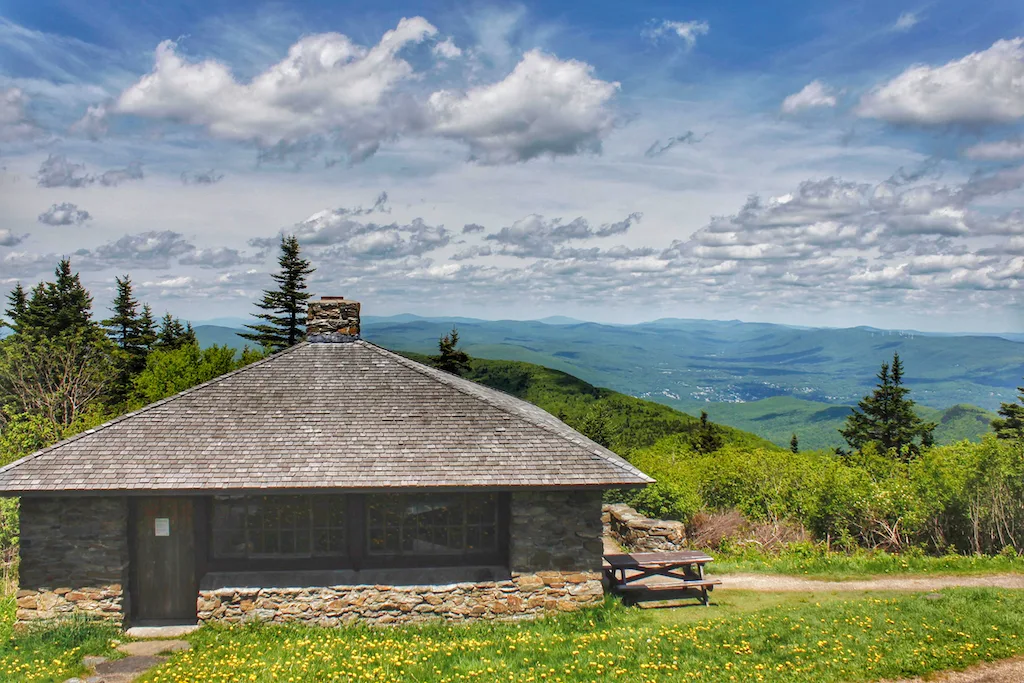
[[630, 423], [816, 424]]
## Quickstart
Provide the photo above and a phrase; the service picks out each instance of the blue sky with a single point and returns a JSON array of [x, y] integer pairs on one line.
[[788, 162]]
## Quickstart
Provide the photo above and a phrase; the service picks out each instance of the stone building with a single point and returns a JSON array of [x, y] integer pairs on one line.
[[330, 482]]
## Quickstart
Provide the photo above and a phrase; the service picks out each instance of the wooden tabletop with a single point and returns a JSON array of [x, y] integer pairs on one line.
[[636, 560]]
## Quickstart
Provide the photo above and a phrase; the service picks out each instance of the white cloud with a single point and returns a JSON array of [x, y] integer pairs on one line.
[[65, 213], [210, 177], [686, 30], [1003, 150], [906, 21], [446, 49], [327, 85], [983, 87], [57, 171], [15, 123], [545, 107], [814, 94], [537, 236]]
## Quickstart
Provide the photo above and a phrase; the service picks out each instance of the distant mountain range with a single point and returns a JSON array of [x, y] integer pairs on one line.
[[730, 367]]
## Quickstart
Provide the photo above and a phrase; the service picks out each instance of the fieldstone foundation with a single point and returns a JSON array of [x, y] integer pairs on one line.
[[74, 558], [642, 534], [520, 597]]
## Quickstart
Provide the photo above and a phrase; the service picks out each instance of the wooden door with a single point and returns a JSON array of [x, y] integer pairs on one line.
[[164, 560]]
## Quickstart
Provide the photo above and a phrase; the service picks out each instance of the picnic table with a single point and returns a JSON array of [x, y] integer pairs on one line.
[[659, 576]]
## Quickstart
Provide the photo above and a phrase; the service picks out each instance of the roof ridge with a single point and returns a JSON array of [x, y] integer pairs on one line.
[[146, 408], [616, 459]]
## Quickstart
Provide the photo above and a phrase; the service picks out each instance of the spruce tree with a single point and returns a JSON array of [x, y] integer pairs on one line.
[[59, 306], [450, 357], [171, 334], [124, 327], [284, 308], [707, 439], [794, 444], [1011, 424], [887, 418], [18, 302], [147, 328]]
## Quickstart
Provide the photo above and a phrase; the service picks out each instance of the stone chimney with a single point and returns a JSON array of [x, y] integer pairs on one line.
[[333, 319]]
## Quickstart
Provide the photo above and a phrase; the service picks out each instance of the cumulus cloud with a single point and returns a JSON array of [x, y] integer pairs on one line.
[[9, 239], [93, 124], [1003, 150], [658, 147], [15, 123], [537, 236], [201, 177], [471, 252], [814, 94], [545, 107], [57, 171], [688, 31], [65, 213], [216, 257], [470, 228], [145, 247], [982, 88], [330, 92]]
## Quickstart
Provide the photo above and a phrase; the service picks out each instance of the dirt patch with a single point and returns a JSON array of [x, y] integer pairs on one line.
[[1006, 671], [774, 583]]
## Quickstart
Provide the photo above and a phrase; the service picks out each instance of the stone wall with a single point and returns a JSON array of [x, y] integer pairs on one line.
[[555, 530], [74, 557], [332, 319], [642, 534], [520, 597]]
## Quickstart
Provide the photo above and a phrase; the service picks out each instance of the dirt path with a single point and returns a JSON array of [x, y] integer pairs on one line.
[[1006, 671], [774, 583]]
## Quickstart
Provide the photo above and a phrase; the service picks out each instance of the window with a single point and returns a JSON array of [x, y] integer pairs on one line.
[[279, 527], [432, 524]]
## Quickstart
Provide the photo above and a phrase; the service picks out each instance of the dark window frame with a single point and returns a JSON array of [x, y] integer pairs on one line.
[[357, 539]]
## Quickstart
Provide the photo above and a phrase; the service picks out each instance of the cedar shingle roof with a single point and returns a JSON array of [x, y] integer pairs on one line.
[[331, 416]]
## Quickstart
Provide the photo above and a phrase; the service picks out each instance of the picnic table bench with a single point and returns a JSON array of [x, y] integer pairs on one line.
[[658, 576]]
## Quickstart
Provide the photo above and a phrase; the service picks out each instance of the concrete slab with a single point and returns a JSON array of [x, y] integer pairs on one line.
[[150, 648], [175, 631]]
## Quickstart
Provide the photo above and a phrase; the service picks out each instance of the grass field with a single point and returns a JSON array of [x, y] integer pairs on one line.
[[816, 563], [746, 638]]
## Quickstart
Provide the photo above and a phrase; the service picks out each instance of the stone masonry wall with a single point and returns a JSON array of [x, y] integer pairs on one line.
[[554, 557], [74, 557], [555, 530], [521, 597], [642, 534]]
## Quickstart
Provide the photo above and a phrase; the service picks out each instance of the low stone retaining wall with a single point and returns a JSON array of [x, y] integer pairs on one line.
[[102, 602], [524, 595], [639, 533]]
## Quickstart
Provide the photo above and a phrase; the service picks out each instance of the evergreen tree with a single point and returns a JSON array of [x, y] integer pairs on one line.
[[285, 307], [1011, 424], [124, 327], [147, 328], [18, 302], [450, 357], [794, 444], [887, 418], [171, 334], [707, 439], [59, 306]]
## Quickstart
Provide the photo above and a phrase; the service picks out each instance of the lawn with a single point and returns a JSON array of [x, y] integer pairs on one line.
[[816, 563], [747, 638]]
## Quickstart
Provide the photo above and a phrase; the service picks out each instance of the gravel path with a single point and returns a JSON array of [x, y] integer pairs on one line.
[[1006, 671]]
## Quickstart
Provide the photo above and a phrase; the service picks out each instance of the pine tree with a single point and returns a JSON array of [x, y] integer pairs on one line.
[[123, 327], [18, 301], [450, 357], [147, 328], [285, 307], [887, 418], [708, 439], [171, 334], [794, 444], [1011, 424], [59, 306]]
